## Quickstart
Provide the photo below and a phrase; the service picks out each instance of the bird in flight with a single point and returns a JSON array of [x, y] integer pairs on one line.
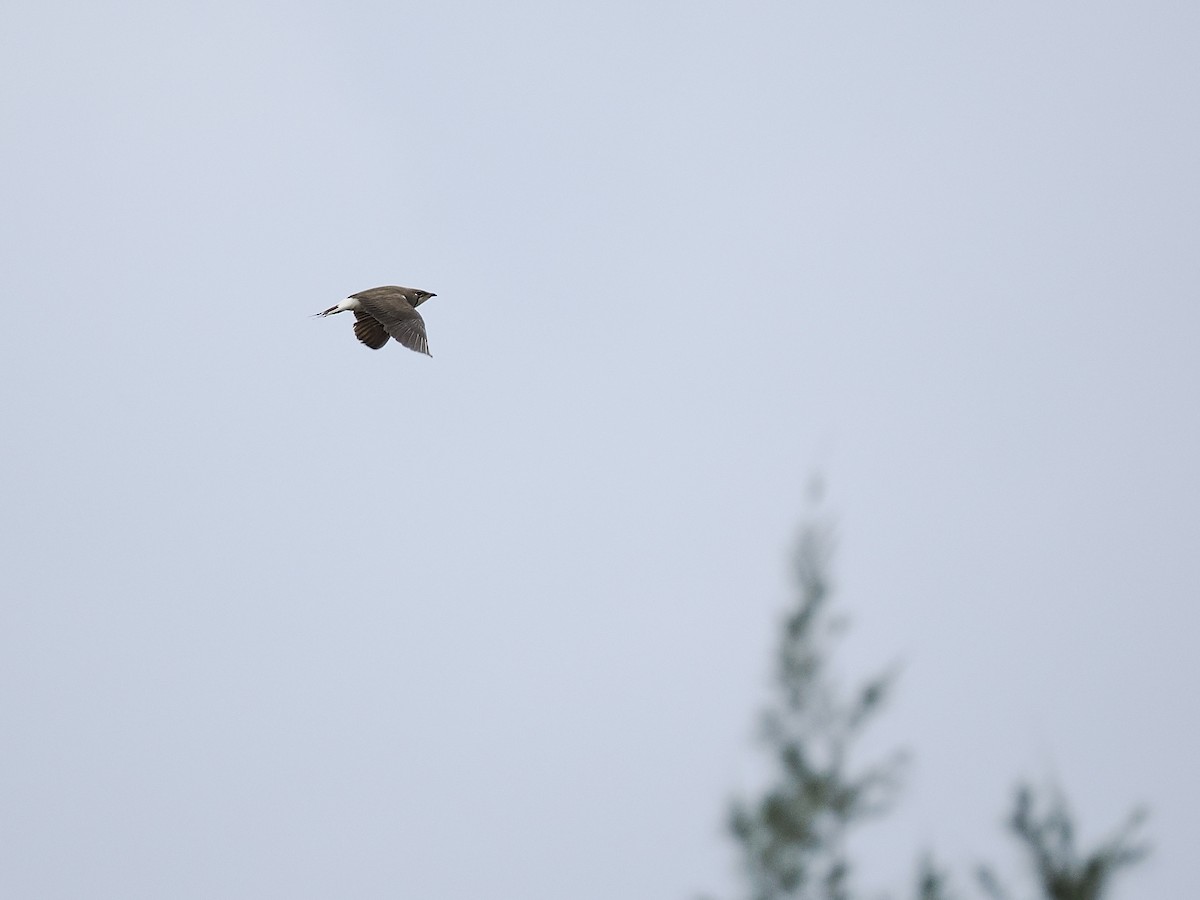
[[385, 312]]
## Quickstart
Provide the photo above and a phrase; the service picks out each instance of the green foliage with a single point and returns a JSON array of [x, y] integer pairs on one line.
[[932, 882], [1048, 839], [793, 838]]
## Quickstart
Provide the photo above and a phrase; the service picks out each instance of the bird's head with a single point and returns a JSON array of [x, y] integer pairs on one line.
[[420, 297]]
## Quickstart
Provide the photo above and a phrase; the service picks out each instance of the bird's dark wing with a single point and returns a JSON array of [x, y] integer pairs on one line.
[[409, 329], [392, 310], [369, 330]]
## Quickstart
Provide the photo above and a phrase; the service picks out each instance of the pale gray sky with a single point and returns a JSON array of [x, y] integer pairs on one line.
[[285, 617]]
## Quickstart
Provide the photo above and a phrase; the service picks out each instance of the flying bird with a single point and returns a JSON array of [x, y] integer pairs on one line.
[[385, 312]]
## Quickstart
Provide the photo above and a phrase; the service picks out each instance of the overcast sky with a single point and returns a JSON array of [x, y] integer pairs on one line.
[[286, 617]]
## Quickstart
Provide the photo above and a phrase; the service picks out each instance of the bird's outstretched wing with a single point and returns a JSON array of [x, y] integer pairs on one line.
[[368, 330], [393, 311], [409, 329]]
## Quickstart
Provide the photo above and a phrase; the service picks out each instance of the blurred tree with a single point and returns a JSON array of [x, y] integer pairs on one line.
[[932, 882], [1049, 842], [793, 839]]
